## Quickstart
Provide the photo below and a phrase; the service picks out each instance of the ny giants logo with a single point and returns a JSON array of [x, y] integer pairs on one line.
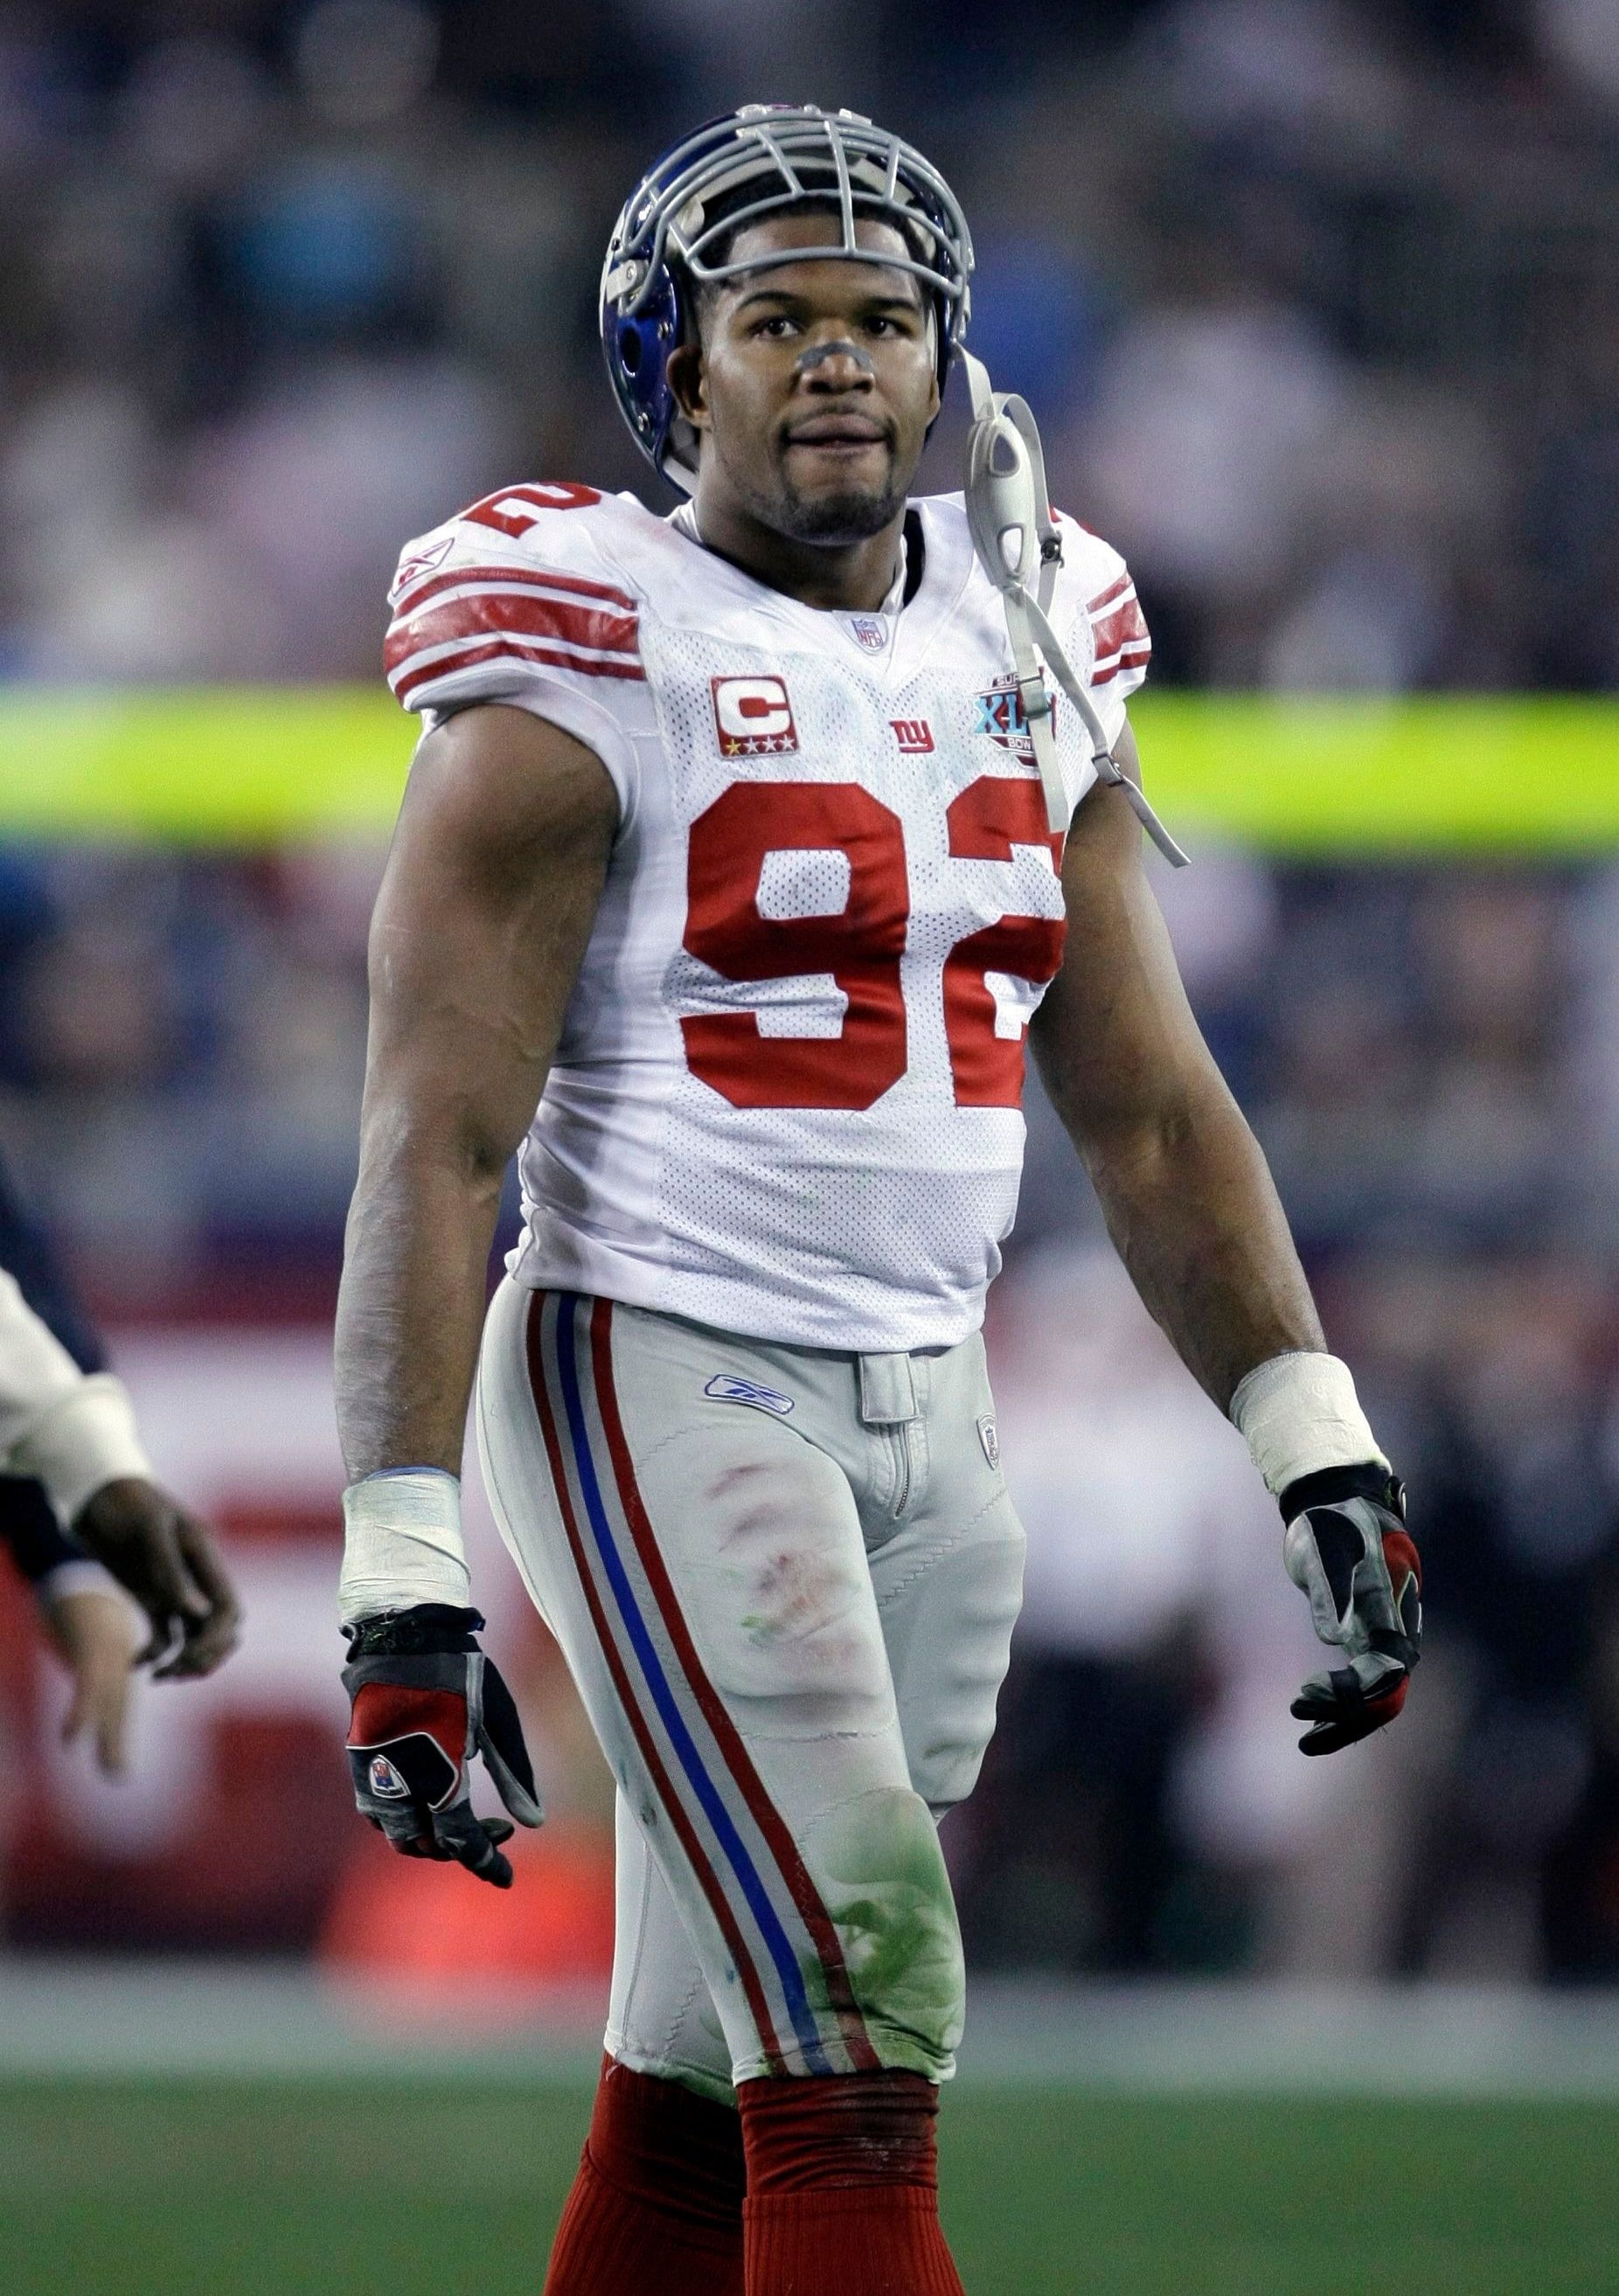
[[915, 736], [1002, 717], [752, 716]]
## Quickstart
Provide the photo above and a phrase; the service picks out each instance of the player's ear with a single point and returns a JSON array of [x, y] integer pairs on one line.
[[687, 378]]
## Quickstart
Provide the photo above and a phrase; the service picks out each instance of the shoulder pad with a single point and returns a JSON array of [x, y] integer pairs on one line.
[[545, 521], [532, 576]]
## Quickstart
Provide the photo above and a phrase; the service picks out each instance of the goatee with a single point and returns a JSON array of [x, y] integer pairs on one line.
[[835, 519]]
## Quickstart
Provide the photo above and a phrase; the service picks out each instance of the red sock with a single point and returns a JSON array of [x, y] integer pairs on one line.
[[843, 2188], [657, 2202]]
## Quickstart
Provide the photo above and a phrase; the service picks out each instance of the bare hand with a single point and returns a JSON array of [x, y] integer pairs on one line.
[[94, 1635], [170, 1564]]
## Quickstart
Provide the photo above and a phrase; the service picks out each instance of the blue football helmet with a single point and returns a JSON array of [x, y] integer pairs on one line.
[[735, 171]]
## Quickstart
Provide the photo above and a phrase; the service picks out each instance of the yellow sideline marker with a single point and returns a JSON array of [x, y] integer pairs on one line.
[[1311, 774]]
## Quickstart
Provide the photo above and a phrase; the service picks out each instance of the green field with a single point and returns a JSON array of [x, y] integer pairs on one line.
[[344, 2188]]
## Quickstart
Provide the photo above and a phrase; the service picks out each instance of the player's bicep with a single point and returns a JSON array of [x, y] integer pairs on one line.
[[1114, 1038], [487, 903]]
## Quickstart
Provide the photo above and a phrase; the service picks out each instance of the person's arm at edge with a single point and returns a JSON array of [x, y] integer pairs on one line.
[[485, 907], [74, 1433]]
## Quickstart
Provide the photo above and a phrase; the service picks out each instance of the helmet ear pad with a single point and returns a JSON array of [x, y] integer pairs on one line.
[[637, 353]]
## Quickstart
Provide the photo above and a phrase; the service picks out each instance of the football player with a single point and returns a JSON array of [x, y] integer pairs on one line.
[[726, 883]]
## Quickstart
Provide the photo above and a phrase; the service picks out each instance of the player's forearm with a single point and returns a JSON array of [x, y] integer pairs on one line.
[[1191, 1206], [411, 1306]]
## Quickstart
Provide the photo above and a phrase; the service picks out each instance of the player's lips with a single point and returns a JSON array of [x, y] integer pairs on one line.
[[847, 432]]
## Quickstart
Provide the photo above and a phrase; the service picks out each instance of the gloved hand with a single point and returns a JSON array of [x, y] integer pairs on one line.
[[1346, 1545], [425, 1699]]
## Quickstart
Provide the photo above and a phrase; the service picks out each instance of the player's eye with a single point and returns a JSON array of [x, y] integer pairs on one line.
[[777, 325]]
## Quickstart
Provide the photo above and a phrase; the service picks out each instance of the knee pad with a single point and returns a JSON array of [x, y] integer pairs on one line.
[[882, 1876]]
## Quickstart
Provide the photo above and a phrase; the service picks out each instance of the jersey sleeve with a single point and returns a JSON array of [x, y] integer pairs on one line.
[[70, 1430], [513, 601], [1115, 629]]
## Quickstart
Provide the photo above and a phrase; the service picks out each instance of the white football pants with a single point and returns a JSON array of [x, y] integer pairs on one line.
[[784, 1579]]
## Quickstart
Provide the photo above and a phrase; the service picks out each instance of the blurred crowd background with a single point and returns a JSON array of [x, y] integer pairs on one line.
[[1319, 306]]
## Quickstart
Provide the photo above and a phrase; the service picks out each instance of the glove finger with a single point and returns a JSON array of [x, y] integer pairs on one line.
[[472, 1840], [404, 1823], [420, 1845], [1349, 1703], [1369, 1676], [500, 1740]]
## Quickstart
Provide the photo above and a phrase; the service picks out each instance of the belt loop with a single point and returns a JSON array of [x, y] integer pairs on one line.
[[888, 1391]]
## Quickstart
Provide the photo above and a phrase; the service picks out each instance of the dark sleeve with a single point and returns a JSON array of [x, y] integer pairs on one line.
[[27, 1519], [29, 1527]]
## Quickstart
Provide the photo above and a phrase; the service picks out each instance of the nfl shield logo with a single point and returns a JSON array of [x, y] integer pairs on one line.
[[385, 1779], [871, 635]]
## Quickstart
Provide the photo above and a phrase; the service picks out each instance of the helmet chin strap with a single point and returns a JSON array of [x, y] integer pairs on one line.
[[1018, 547]]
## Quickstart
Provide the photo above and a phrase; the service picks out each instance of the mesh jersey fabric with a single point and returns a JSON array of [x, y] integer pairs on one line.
[[786, 1100]]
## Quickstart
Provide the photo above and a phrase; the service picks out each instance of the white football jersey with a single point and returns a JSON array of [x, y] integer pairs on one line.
[[787, 1099]]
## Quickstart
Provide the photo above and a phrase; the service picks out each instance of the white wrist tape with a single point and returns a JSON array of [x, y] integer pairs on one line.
[[402, 1543], [1299, 1414], [86, 1440], [86, 1577]]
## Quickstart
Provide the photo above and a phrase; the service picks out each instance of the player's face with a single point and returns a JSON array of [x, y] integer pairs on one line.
[[815, 383]]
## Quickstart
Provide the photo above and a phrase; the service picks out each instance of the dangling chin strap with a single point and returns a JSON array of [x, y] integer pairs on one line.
[[1017, 545]]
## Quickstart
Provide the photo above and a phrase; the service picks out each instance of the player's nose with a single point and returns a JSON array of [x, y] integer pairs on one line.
[[835, 362]]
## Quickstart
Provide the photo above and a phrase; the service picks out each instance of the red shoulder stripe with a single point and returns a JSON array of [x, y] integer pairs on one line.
[[524, 613], [512, 649], [1125, 661], [1112, 591], [1124, 627]]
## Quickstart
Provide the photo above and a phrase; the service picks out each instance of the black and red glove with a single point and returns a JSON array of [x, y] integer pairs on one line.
[[425, 1699], [1347, 1546]]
